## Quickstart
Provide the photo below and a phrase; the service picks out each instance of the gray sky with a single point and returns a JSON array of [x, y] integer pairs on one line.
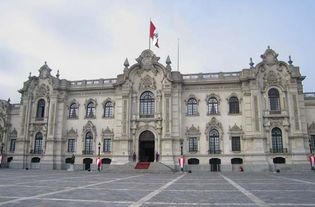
[[91, 39]]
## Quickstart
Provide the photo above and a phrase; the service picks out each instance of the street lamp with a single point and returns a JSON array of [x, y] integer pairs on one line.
[[181, 147], [311, 147], [99, 148]]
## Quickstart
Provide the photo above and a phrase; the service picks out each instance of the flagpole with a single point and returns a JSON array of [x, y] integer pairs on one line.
[[177, 54], [149, 35]]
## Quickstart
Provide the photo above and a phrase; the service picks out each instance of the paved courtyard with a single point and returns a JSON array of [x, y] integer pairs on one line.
[[24, 188]]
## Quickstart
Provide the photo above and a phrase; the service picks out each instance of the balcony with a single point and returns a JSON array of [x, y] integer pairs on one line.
[[214, 151], [87, 152], [36, 151], [278, 150]]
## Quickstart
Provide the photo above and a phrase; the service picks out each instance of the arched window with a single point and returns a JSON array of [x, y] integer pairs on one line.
[[38, 143], [213, 106], [108, 109], [90, 110], [277, 146], [40, 109], [88, 148], [147, 104], [214, 142], [192, 107], [234, 105], [274, 100], [73, 111]]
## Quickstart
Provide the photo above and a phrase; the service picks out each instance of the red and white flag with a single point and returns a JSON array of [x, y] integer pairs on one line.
[[98, 161], [154, 35]]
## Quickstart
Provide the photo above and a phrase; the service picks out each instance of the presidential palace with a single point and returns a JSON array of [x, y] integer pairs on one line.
[[256, 118]]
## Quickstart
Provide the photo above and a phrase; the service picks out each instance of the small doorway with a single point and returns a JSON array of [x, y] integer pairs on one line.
[[215, 164], [146, 147], [87, 163]]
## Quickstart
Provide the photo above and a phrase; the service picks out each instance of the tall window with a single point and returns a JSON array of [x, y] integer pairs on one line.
[[88, 143], [71, 145], [214, 142], [108, 109], [192, 107], [312, 140], [40, 109], [276, 140], [107, 145], [234, 105], [73, 112], [38, 143], [12, 145], [193, 144], [274, 100], [213, 106], [236, 144], [147, 104], [90, 110]]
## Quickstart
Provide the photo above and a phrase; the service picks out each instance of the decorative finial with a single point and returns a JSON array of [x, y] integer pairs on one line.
[[251, 63], [268, 47], [9, 100], [290, 61], [45, 62], [126, 63], [30, 75], [57, 75], [168, 62]]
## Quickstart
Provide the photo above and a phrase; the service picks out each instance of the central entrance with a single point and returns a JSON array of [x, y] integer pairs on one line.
[[146, 147]]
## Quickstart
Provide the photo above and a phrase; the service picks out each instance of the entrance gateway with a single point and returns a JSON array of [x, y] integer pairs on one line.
[[146, 146]]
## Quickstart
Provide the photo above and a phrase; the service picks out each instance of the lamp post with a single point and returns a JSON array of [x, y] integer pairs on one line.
[[310, 144], [99, 149], [181, 147]]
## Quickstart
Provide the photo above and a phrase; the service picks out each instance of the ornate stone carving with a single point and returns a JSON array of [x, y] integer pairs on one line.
[[89, 127], [214, 124], [269, 57], [34, 128], [13, 133], [42, 91], [192, 131], [147, 83], [72, 133], [235, 128], [107, 132], [44, 71], [147, 59]]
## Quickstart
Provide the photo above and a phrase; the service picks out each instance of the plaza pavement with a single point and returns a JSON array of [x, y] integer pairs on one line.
[[38, 188]]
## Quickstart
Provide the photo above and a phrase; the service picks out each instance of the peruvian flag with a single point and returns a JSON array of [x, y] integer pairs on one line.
[[154, 35], [312, 161]]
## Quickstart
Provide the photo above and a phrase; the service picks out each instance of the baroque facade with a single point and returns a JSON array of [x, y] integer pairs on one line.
[[256, 118]]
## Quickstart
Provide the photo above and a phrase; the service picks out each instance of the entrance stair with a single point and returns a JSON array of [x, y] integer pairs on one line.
[[133, 167]]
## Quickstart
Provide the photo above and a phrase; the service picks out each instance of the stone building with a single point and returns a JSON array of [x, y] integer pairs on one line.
[[256, 118]]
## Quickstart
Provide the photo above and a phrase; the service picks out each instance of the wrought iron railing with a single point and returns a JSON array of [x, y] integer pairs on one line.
[[278, 150]]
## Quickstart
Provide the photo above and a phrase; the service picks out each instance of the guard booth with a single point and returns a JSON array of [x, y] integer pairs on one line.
[[215, 164]]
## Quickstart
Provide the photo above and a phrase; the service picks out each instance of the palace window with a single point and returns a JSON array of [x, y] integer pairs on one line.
[[214, 142], [236, 144], [213, 106], [88, 148], [193, 144], [147, 105], [277, 146], [90, 110], [73, 111], [40, 109], [71, 145], [108, 109], [274, 100], [107, 145], [38, 143], [234, 105], [12, 145], [192, 107]]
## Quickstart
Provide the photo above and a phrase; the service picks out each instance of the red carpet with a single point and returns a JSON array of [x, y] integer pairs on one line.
[[142, 165]]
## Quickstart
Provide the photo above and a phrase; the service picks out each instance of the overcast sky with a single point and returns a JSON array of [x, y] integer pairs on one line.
[[91, 39]]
